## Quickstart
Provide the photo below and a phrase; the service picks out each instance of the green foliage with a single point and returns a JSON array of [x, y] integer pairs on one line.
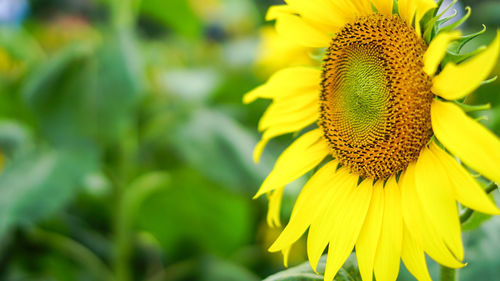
[[53, 178], [304, 272], [227, 149], [128, 151], [206, 216], [86, 92], [175, 14]]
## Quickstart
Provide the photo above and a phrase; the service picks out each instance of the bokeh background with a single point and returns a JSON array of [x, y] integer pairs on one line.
[[126, 151]]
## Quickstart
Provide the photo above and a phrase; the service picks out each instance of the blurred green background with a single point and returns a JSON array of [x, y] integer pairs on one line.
[[125, 149]]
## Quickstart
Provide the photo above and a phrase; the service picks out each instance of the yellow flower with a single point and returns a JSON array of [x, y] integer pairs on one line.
[[388, 138]]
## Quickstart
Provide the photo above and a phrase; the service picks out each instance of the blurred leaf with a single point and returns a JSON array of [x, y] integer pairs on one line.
[[218, 147], [141, 188], [222, 270], [304, 272], [191, 84], [195, 212], [56, 93], [176, 14], [135, 194], [119, 83], [15, 139], [475, 221], [483, 252], [38, 184], [20, 44], [86, 93]]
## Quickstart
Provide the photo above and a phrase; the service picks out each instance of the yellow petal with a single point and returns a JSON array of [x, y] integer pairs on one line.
[[299, 158], [420, 224], [467, 190], [273, 53], [475, 145], [321, 12], [413, 257], [310, 203], [383, 7], [423, 6], [274, 11], [437, 49], [347, 227], [297, 30], [347, 9], [364, 7], [436, 194], [286, 254], [408, 9], [341, 188], [287, 83], [273, 213], [294, 108], [457, 81], [292, 125], [366, 245], [387, 258]]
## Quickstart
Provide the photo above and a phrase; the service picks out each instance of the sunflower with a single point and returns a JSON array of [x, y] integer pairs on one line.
[[384, 131]]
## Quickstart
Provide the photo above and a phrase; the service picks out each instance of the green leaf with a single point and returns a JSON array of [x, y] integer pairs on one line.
[[222, 270], [55, 93], [86, 93], [20, 45], [40, 183], [119, 84], [15, 138], [196, 212], [219, 147], [176, 14], [304, 272]]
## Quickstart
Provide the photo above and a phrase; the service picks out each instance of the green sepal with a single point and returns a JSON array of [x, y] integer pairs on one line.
[[482, 118], [457, 45], [472, 108], [491, 80], [428, 20], [395, 7], [458, 58], [431, 26], [444, 20], [458, 23]]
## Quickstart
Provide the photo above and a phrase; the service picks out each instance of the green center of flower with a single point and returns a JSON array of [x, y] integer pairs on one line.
[[375, 100], [361, 92]]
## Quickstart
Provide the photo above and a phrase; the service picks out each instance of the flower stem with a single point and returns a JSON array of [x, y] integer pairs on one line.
[[448, 274]]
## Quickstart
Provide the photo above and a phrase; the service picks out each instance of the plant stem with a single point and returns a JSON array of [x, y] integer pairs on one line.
[[122, 240], [448, 274]]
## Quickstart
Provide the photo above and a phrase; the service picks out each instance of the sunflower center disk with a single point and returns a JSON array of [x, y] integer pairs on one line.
[[376, 98]]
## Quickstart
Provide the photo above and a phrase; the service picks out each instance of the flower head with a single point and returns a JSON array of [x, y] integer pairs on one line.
[[388, 135]]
